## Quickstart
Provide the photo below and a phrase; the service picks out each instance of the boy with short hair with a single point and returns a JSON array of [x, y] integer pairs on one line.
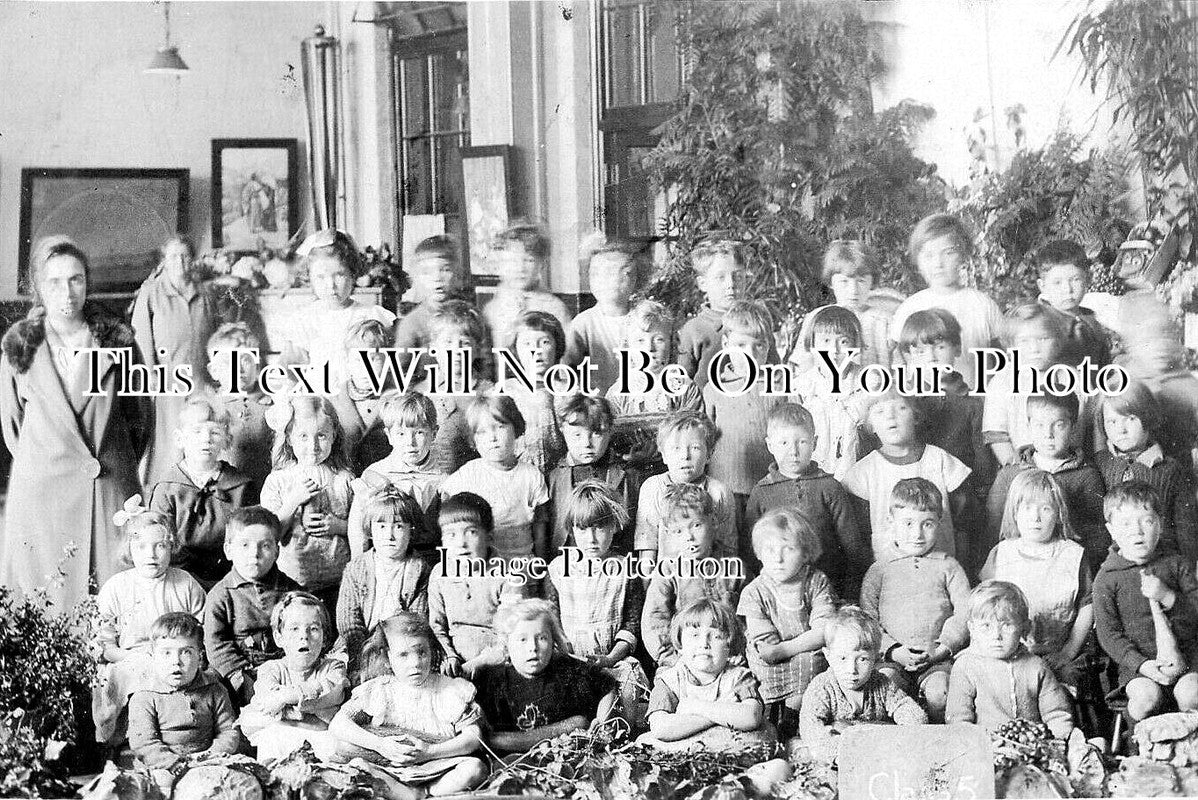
[[1051, 421], [850, 270], [796, 481], [237, 631], [185, 711], [852, 691], [410, 423], [436, 275], [685, 441], [739, 457], [996, 680], [718, 265], [1064, 270], [919, 597], [587, 425], [1136, 574]]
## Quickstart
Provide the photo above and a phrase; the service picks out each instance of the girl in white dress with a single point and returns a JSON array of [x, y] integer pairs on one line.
[[127, 606], [420, 726]]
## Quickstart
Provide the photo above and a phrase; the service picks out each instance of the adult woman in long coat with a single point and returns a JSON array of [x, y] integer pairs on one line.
[[172, 320], [74, 455]]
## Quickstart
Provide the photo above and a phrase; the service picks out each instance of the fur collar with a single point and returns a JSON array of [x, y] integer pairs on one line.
[[24, 338]]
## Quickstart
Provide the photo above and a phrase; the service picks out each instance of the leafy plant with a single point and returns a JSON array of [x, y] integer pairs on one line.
[[1142, 54], [603, 765], [774, 144], [1058, 191], [46, 672]]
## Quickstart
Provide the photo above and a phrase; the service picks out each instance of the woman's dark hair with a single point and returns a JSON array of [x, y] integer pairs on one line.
[[52, 247]]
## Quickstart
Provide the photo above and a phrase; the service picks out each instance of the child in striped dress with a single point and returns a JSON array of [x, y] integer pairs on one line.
[[600, 608], [785, 608]]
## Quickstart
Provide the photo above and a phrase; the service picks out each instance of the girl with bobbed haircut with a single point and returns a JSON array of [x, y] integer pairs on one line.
[[788, 525], [709, 614], [512, 614]]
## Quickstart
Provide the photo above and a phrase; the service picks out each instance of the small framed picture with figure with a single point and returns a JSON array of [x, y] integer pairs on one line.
[[255, 197]]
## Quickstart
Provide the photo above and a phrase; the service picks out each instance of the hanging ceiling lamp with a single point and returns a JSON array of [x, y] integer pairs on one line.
[[167, 61]]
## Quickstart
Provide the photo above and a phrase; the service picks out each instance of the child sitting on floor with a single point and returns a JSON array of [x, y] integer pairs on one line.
[[184, 711], [128, 604], [296, 696], [852, 691], [540, 692], [919, 597], [420, 726], [996, 680], [704, 700]]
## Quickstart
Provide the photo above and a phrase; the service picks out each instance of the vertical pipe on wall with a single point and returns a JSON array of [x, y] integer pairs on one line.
[[321, 72], [395, 87], [598, 79], [539, 183], [430, 78]]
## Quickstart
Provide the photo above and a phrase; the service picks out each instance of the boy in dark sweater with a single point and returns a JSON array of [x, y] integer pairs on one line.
[[1133, 421], [237, 629], [1051, 421], [184, 711], [796, 481], [1136, 574]]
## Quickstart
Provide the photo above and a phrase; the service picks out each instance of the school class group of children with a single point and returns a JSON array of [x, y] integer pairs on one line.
[[318, 585]]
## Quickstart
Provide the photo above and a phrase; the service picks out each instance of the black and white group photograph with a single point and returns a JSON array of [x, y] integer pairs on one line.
[[598, 399]]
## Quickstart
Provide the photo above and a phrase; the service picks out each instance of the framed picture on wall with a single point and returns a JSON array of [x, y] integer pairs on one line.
[[487, 185], [255, 197], [119, 217]]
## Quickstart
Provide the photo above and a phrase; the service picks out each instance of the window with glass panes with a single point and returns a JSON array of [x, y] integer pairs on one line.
[[432, 114], [639, 74]]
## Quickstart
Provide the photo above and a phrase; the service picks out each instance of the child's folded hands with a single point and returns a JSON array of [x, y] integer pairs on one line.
[[1154, 671]]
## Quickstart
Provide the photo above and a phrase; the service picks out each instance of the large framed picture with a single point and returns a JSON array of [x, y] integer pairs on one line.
[[119, 217], [486, 182], [255, 197]]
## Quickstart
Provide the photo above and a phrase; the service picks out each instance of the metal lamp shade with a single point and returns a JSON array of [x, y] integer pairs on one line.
[[167, 62]]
